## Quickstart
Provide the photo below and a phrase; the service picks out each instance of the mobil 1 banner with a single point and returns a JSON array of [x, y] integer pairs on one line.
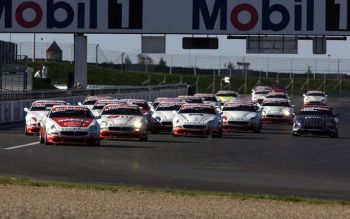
[[263, 17]]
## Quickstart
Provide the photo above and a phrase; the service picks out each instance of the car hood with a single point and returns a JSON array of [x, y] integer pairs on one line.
[[275, 109], [120, 120], [315, 98], [196, 118], [165, 115], [240, 115], [73, 122]]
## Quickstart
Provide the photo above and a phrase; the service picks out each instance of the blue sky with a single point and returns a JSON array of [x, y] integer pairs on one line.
[[132, 43]]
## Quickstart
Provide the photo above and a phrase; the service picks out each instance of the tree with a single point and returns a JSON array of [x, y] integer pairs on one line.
[[144, 59], [162, 63], [230, 65], [127, 61]]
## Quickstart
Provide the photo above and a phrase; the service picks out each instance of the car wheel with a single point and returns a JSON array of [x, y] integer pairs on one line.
[[45, 140], [296, 134], [144, 138], [41, 139], [26, 131]]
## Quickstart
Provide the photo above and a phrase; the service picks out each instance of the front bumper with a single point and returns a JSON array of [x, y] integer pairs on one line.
[[31, 130], [194, 132], [276, 120], [80, 140], [233, 127], [107, 134], [320, 131]]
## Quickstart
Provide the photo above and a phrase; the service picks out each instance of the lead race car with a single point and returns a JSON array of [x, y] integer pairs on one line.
[[123, 121], [162, 118], [315, 98], [241, 116], [70, 124], [319, 120], [197, 120], [37, 113], [277, 111]]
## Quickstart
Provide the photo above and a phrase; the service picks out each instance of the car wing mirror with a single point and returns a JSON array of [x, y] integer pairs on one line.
[[26, 109]]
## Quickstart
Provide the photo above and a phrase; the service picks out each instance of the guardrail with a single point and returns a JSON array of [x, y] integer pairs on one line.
[[44, 94]]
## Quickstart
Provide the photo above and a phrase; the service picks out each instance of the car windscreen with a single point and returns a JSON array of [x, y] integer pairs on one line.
[[71, 113], [315, 94], [90, 102], [283, 104], [227, 95], [193, 100], [278, 96], [262, 92], [213, 99], [315, 113], [44, 107], [197, 110], [142, 105], [278, 86], [168, 107], [122, 111], [240, 108]]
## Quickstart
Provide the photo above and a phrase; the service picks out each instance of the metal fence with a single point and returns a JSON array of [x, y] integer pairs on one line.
[[47, 94], [194, 64]]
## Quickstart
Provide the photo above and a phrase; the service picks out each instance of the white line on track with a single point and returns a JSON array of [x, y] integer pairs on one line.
[[21, 146]]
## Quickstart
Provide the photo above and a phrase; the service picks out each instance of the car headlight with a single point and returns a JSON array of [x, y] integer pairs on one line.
[[53, 130], [158, 119], [138, 124], [104, 125], [264, 113], [286, 113], [178, 123]]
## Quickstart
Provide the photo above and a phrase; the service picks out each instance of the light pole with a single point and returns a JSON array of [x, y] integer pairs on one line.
[[42, 48], [329, 72]]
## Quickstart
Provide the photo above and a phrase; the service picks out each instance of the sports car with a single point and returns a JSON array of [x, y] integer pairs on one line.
[[259, 94], [277, 111], [277, 95], [279, 88], [123, 121], [98, 106], [161, 100], [208, 99], [162, 118], [90, 101], [70, 124], [197, 120], [319, 120], [315, 98], [37, 113], [227, 96], [241, 116]]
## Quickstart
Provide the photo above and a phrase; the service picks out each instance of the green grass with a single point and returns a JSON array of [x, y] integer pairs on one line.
[[58, 72], [126, 188]]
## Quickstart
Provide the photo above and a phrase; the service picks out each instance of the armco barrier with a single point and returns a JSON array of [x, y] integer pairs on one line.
[[12, 111]]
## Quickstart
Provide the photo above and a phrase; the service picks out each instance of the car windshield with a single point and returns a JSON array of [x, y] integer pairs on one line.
[[277, 96], [194, 100], [46, 107], [316, 113], [122, 111], [227, 95], [262, 92], [197, 110], [209, 99], [142, 105], [90, 102], [316, 94], [240, 108], [283, 104], [71, 113], [98, 107], [168, 107], [278, 86]]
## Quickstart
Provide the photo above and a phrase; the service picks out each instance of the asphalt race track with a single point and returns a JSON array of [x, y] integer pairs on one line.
[[272, 162]]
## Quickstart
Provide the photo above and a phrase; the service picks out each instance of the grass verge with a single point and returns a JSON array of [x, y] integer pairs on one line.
[[126, 188]]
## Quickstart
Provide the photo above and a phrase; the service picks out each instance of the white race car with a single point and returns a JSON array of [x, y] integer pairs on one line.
[[277, 95], [315, 98], [277, 111], [227, 96], [37, 113], [156, 102], [123, 121], [100, 104], [90, 101], [241, 116], [70, 124], [198, 120], [162, 118], [259, 93]]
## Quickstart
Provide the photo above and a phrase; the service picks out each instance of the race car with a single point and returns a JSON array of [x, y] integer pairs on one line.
[[90, 101], [277, 111], [98, 106], [122, 121], [161, 100], [279, 88], [315, 98], [259, 94], [241, 116], [279, 95], [36, 113], [317, 120], [197, 120], [162, 118], [208, 99], [226, 96], [70, 125], [190, 99], [144, 107]]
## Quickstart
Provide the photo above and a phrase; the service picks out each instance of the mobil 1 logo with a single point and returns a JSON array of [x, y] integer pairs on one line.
[[337, 16], [125, 14]]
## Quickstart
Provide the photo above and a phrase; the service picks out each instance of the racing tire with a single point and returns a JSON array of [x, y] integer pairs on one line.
[[45, 141], [295, 134], [42, 141], [25, 131], [144, 138]]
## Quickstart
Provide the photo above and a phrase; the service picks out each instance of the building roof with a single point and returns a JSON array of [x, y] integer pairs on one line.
[[54, 48]]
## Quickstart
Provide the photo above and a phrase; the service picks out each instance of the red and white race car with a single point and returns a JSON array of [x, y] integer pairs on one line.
[[70, 124], [159, 100], [162, 118], [123, 121], [90, 101], [277, 111], [100, 104], [315, 98], [37, 113]]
